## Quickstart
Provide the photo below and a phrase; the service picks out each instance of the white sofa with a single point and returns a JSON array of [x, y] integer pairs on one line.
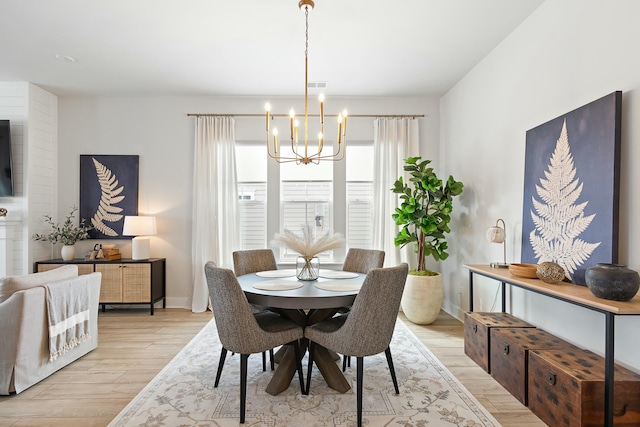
[[24, 331]]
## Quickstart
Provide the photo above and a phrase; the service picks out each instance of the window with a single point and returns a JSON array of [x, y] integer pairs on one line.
[[359, 182], [252, 195], [331, 196], [306, 197], [306, 203]]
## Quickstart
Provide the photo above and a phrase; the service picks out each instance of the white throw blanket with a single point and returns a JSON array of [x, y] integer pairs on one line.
[[68, 315]]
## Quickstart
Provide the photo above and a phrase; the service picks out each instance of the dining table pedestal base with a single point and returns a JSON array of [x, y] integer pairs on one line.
[[323, 359], [329, 369]]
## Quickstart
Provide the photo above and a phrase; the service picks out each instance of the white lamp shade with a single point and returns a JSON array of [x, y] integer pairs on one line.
[[139, 226], [495, 234]]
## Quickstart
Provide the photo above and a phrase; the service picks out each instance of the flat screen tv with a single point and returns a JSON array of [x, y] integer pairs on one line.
[[6, 169]]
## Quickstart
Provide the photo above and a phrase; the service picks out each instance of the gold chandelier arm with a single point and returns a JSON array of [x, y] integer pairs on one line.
[[333, 157]]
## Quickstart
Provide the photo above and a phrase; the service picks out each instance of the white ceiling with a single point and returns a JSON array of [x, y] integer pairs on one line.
[[250, 47]]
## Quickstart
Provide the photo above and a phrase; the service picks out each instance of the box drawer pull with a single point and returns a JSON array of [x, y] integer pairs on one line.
[[505, 348], [551, 377], [475, 328]]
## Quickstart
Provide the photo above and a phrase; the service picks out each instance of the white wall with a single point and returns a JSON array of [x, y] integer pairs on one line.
[[159, 131], [566, 54]]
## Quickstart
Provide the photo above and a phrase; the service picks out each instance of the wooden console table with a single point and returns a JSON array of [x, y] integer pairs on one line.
[[572, 294], [124, 281]]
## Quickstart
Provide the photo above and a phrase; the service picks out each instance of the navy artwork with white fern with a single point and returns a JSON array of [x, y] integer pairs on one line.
[[108, 193], [571, 188]]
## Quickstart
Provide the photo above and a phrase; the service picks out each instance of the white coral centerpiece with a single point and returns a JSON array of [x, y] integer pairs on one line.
[[308, 248], [305, 244]]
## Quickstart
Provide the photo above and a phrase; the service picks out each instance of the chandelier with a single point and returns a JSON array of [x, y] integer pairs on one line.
[[301, 152]]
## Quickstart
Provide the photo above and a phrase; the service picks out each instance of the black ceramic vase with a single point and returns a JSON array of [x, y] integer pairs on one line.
[[612, 281]]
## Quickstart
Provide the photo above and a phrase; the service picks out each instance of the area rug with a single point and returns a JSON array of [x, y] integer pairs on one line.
[[182, 394]]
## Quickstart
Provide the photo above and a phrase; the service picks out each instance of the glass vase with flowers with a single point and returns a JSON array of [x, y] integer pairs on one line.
[[307, 263]]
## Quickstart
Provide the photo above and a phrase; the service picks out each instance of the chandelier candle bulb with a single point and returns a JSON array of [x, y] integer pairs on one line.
[[292, 116], [268, 108], [275, 140], [344, 126]]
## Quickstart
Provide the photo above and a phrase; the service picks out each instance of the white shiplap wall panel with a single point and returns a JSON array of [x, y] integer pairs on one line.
[[42, 161], [14, 103]]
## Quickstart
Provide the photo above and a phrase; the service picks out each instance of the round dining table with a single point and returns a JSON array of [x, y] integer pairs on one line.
[[305, 303]]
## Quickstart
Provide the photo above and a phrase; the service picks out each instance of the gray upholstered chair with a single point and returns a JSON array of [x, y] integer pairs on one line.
[[363, 260], [367, 329], [360, 261], [252, 261], [240, 331]]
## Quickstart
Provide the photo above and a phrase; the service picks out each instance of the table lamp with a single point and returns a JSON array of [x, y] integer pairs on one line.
[[497, 234], [140, 227]]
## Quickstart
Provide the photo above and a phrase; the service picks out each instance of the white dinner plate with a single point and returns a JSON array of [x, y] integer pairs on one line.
[[277, 285], [338, 286], [336, 274], [276, 273]]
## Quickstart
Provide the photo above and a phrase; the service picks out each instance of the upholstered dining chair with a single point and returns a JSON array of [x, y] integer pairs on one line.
[[242, 332], [223, 352], [367, 329], [360, 261], [252, 261]]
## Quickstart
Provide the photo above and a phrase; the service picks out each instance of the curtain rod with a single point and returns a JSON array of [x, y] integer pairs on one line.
[[394, 116]]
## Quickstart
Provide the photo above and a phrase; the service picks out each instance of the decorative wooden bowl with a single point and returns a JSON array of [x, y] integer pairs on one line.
[[524, 270]]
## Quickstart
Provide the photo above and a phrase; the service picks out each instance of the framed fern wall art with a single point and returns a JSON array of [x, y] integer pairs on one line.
[[108, 192], [571, 188]]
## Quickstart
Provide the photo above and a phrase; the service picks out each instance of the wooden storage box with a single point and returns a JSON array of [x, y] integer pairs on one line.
[[509, 353], [477, 336], [566, 388]]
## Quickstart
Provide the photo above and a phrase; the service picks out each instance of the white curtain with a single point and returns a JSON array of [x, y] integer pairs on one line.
[[215, 231], [395, 139]]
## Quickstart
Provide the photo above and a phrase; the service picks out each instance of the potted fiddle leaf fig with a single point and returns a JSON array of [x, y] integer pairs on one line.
[[424, 216]]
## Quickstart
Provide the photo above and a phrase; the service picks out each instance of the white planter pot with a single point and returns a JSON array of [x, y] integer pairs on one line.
[[67, 252], [422, 298]]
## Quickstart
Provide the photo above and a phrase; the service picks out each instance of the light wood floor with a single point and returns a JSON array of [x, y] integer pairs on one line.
[[134, 347]]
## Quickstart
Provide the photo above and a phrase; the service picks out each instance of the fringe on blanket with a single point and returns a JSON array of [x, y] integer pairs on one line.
[[73, 343]]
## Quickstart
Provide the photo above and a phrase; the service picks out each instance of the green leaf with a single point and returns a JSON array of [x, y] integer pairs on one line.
[[408, 208], [412, 160]]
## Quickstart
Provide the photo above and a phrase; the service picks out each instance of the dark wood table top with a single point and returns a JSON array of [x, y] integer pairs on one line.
[[304, 298]]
